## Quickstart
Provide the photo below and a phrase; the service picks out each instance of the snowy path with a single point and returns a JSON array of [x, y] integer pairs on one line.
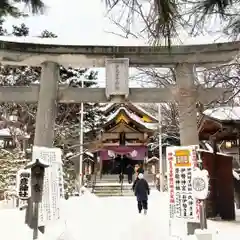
[[113, 218]]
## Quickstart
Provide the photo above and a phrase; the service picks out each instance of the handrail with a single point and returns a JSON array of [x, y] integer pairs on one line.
[[94, 181], [122, 187]]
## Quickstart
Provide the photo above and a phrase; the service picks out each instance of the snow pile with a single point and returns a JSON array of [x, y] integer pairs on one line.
[[90, 217], [79, 216], [13, 226], [7, 204]]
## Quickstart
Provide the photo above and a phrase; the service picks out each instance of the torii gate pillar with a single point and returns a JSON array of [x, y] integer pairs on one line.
[[187, 104], [47, 105], [187, 113]]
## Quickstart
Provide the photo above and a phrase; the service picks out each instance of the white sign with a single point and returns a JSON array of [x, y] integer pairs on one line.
[[181, 162], [49, 209], [117, 73], [200, 184]]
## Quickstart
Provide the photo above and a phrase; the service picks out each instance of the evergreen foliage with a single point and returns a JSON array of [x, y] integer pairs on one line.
[[11, 7], [10, 163]]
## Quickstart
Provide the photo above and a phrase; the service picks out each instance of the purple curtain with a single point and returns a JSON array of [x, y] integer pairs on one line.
[[135, 153]]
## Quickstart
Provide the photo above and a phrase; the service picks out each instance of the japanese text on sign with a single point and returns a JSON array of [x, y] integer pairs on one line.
[[182, 204], [49, 208]]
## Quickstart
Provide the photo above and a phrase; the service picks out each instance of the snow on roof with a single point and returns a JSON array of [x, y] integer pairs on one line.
[[152, 158], [205, 145], [218, 153], [89, 154], [209, 147], [5, 132], [105, 108], [73, 42], [145, 112], [224, 113], [152, 126], [236, 175]]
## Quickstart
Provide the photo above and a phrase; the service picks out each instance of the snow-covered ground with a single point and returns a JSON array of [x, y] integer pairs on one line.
[[90, 217]]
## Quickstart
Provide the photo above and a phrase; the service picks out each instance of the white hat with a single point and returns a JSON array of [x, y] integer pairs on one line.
[[140, 176]]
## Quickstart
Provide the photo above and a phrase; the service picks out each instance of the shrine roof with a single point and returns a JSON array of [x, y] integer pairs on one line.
[[228, 113], [134, 117], [221, 123], [144, 111], [218, 153], [5, 132], [109, 106]]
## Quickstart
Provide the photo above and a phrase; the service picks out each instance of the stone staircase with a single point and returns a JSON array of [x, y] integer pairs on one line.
[[109, 186]]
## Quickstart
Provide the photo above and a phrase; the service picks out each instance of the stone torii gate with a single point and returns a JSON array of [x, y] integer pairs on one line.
[[15, 51], [48, 93]]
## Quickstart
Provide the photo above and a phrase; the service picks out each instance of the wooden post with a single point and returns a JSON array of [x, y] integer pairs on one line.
[[187, 114], [46, 112]]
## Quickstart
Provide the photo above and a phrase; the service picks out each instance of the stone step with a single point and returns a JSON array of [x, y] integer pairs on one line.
[[109, 185], [119, 194], [111, 190], [113, 194], [107, 189], [148, 177]]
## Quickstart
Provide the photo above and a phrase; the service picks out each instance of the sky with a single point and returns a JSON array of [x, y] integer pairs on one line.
[[85, 22]]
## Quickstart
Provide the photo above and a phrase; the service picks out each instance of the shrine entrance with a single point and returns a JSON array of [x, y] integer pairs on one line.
[[119, 164]]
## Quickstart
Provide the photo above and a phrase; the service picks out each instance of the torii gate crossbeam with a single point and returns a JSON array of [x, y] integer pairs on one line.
[[67, 94]]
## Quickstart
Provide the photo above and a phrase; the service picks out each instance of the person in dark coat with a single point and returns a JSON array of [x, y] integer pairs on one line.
[[130, 171], [142, 191], [139, 169]]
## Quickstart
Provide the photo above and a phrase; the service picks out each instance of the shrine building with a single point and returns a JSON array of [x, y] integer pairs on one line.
[[221, 128], [124, 138]]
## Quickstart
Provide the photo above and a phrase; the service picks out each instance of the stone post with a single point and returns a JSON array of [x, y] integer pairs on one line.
[[46, 113], [47, 105], [187, 113], [187, 104]]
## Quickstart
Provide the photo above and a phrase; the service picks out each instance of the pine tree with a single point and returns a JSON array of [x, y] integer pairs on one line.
[[20, 31], [9, 8], [10, 163]]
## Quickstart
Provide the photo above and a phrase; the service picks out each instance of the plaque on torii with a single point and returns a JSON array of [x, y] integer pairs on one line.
[[117, 79]]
